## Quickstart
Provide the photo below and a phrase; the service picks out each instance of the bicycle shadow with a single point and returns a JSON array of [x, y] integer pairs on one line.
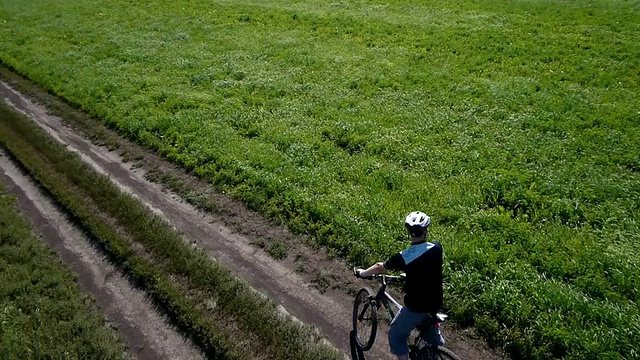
[[356, 350]]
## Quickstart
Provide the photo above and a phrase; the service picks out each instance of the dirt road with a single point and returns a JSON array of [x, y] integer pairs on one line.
[[148, 335]]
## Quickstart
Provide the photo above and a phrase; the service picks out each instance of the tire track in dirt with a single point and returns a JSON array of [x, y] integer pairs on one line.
[[147, 333]]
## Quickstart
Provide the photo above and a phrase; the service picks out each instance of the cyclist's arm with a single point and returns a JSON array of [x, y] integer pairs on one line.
[[377, 268], [395, 262]]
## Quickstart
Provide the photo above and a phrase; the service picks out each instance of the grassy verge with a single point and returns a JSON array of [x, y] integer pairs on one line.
[[43, 315], [514, 124], [217, 301]]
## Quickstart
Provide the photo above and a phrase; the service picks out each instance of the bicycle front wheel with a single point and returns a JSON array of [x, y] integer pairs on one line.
[[365, 319], [442, 353]]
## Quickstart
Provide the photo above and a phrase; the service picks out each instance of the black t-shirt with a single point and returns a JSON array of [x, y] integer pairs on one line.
[[422, 262]]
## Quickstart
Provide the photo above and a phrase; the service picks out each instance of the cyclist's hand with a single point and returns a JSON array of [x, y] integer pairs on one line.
[[358, 273]]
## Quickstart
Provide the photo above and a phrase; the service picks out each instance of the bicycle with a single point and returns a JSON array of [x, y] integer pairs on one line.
[[426, 345]]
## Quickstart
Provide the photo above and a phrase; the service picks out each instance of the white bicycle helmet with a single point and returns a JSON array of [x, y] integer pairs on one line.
[[417, 223]]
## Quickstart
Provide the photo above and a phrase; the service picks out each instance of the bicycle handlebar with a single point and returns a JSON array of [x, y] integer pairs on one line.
[[391, 278], [384, 277]]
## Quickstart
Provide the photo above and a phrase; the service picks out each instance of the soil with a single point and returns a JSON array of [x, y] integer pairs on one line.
[[310, 284]]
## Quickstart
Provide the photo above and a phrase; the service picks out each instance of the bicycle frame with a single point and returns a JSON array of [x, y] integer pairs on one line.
[[386, 299]]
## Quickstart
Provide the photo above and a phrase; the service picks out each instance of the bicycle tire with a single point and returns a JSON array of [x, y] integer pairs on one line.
[[369, 307], [442, 353]]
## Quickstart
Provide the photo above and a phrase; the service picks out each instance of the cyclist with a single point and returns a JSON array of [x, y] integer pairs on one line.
[[422, 263]]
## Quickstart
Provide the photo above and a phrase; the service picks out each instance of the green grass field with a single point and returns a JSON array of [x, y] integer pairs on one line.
[[514, 123], [43, 315]]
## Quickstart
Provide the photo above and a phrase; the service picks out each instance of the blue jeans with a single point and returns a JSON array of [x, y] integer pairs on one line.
[[400, 328]]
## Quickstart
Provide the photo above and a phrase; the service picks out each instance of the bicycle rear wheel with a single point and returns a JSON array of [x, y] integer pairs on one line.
[[365, 319]]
